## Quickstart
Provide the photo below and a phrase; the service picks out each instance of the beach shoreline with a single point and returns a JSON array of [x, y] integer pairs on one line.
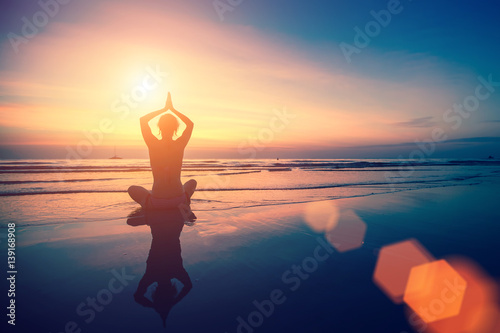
[[70, 262]]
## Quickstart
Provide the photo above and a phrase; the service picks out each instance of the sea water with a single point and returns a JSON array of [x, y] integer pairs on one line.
[[47, 192]]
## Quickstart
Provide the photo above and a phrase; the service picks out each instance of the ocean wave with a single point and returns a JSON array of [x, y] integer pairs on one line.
[[9, 167], [293, 188], [122, 214], [69, 169], [18, 182]]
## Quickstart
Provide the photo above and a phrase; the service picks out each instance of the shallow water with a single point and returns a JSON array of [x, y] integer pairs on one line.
[[73, 241], [60, 191], [238, 257]]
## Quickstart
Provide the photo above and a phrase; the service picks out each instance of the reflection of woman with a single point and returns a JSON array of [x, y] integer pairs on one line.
[[164, 264], [166, 161]]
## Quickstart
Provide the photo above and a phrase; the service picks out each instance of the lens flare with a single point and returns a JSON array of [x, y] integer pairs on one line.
[[394, 264], [321, 216], [480, 312], [435, 291], [349, 233]]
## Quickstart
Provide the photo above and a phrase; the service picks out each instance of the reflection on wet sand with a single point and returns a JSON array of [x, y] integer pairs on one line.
[[164, 264]]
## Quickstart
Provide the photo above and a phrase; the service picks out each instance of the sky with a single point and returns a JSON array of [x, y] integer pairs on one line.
[[260, 79]]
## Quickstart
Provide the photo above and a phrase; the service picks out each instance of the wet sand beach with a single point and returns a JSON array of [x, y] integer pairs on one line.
[[83, 275]]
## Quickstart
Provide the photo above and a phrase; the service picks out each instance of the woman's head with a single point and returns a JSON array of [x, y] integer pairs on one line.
[[168, 125]]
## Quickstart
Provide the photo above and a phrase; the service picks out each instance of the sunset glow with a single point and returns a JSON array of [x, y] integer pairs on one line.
[[118, 62]]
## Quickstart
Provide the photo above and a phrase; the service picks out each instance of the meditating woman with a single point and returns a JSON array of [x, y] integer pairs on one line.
[[166, 156]]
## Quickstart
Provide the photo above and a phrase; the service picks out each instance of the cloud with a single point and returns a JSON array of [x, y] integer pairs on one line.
[[489, 139], [474, 140], [417, 122]]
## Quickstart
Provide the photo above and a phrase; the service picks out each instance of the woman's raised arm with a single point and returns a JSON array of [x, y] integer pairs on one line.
[[186, 135], [145, 129], [151, 115], [182, 117]]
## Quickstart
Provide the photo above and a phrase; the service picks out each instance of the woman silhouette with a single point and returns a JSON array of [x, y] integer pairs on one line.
[[164, 265], [166, 156]]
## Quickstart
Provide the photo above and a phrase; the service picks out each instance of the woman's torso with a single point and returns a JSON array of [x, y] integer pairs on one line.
[[166, 163]]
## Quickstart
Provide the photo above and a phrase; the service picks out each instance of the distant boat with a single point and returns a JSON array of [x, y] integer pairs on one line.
[[115, 157]]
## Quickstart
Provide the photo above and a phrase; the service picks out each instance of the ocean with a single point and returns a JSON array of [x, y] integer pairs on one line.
[[259, 229], [51, 192]]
